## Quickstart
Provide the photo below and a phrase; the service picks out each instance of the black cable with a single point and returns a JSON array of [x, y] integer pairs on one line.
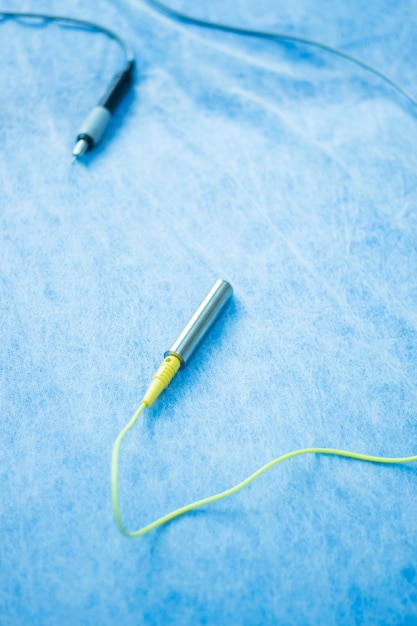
[[95, 124], [75, 23], [273, 36]]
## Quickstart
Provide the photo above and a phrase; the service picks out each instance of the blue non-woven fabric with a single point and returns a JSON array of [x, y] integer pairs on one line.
[[284, 170]]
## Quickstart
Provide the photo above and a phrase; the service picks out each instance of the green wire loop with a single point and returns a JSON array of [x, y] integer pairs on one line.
[[229, 492]]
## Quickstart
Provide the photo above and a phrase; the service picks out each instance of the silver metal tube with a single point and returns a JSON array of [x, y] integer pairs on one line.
[[201, 321]]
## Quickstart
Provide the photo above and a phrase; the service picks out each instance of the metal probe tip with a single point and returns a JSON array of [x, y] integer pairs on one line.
[[80, 148], [192, 335], [202, 320]]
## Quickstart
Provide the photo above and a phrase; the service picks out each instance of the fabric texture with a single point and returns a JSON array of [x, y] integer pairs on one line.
[[282, 169]]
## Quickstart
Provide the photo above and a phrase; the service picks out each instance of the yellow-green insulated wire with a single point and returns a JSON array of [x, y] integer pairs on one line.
[[224, 494]]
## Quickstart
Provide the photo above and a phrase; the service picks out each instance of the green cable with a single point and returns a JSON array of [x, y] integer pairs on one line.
[[229, 492]]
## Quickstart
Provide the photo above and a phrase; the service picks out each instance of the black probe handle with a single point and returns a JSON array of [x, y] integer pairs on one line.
[[118, 88]]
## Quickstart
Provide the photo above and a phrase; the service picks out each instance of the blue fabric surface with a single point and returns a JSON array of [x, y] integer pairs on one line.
[[284, 170]]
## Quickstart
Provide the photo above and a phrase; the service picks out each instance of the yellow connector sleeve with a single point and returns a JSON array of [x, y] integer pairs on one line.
[[161, 379]]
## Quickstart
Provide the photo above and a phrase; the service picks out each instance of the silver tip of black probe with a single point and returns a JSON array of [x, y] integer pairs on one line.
[[80, 148]]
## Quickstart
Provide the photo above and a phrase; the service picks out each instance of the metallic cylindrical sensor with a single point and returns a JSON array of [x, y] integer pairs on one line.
[[201, 321]]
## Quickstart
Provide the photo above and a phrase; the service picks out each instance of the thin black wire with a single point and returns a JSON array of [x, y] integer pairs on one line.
[[274, 36], [75, 23]]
